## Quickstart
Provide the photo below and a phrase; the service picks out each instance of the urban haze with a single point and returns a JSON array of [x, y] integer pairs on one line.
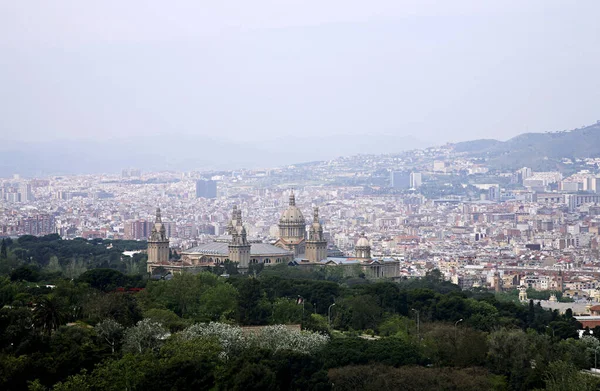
[[299, 195]]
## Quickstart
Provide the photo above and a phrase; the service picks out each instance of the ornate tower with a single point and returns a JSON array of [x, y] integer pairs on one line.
[[362, 249], [316, 245], [236, 220], [523, 293], [559, 281], [158, 243], [292, 229], [239, 248]]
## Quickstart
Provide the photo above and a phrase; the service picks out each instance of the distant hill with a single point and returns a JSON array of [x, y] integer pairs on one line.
[[540, 151], [188, 152], [476, 145]]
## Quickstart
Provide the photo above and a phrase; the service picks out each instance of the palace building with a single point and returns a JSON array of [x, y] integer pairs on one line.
[[295, 247]]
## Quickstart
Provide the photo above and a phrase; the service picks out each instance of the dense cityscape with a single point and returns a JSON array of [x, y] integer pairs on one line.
[[423, 209], [436, 219], [299, 195]]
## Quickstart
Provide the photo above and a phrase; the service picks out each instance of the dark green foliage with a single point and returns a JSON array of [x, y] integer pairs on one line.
[[108, 280], [49, 312], [90, 254], [252, 307], [3, 249], [381, 377], [47, 338], [358, 351], [25, 273]]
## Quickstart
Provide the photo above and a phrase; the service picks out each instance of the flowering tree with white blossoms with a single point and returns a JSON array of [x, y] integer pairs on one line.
[[231, 338], [111, 331], [280, 337], [145, 335], [274, 338]]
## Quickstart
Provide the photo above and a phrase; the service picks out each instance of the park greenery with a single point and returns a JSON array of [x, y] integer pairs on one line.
[[107, 329]]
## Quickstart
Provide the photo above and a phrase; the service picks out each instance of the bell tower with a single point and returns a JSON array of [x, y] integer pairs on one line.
[[158, 243], [316, 245], [239, 248]]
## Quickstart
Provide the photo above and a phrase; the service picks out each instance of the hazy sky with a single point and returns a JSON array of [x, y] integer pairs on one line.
[[246, 70]]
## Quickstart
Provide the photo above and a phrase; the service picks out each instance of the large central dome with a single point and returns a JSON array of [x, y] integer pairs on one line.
[[292, 215]]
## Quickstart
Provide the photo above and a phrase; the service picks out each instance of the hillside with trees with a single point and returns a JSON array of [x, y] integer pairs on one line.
[[106, 330], [540, 151]]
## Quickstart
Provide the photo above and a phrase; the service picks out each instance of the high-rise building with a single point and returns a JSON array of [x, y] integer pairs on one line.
[[137, 230], [494, 193], [38, 225], [415, 180], [206, 188], [400, 180], [25, 194]]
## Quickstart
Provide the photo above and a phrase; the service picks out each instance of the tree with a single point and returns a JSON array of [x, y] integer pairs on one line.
[[122, 307], [54, 265], [105, 280], [146, 335], [564, 376], [252, 309], [230, 338], [218, 302], [167, 318], [286, 311], [3, 250], [25, 273], [111, 332], [49, 313], [279, 337]]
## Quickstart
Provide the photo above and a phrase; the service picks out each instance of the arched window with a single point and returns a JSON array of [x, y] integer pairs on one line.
[[210, 260], [267, 260], [254, 260]]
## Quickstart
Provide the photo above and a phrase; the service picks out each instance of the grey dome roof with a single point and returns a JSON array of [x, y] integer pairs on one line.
[[292, 215], [362, 242]]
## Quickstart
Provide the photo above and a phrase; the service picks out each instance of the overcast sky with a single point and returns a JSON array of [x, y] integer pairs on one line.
[[249, 70]]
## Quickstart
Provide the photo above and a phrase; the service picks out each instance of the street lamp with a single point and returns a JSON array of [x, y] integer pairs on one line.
[[418, 325], [456, 327], [329, 314], [301, 300]]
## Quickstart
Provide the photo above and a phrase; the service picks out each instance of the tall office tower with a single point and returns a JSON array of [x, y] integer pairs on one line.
[[525, 173], [415, 180], [206, 188], [494, 193], [400, 180], [25, 194]]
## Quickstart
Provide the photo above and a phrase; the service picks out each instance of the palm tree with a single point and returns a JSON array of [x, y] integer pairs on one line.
[[49, 313]]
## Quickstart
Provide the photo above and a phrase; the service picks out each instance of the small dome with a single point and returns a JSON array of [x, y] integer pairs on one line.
[[363, 242]]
